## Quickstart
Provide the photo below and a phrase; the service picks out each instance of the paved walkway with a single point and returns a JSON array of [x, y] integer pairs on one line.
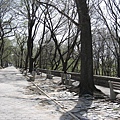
[[18, 103], [15, 101]]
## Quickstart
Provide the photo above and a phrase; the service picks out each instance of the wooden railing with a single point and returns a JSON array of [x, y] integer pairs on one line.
[[99, 80]]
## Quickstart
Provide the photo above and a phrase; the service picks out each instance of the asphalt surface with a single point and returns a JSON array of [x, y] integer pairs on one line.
[[19, 101], [16, 103]]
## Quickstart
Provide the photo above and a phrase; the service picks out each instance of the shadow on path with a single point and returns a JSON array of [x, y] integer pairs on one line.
[[80, 110]]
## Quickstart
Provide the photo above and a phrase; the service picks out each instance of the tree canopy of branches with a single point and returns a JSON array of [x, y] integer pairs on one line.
[[69, 35], [6, 27]]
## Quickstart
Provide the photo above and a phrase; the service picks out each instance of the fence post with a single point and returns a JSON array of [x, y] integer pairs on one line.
[[33, 74], [63, 78], [68, 80], [112, 93], [49, 76]]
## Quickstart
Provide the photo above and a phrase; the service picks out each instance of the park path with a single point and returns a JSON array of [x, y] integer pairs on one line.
[[19, 101], [15, 101]]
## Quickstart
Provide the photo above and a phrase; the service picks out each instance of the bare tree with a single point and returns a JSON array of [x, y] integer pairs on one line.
[[33, 15], [6, 25], [63, 28], [83, 25], [21, 41], [86, 82], [110, 18]]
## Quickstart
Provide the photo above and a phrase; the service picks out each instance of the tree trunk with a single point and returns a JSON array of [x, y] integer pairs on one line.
[[86, 82], [118, 66], [1, 50], [26, 62], [30, 49], [21, 58], [40, 61]]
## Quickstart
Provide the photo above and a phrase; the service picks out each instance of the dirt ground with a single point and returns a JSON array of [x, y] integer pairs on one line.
[[84, 108]]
